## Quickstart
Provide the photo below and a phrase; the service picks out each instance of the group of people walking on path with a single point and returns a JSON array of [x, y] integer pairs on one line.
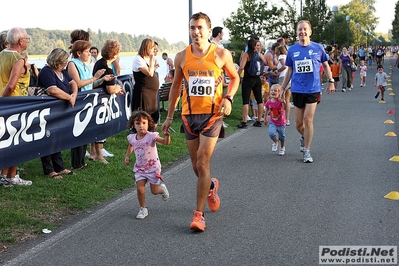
[[294, 73]]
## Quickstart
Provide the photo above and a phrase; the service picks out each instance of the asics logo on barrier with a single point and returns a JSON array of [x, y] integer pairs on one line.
[[36, 120]]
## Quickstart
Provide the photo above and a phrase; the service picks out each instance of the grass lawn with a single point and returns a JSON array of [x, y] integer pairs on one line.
[[25, 211]]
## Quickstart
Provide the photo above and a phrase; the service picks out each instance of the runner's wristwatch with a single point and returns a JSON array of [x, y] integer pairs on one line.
[[230, 98], [331, 80]]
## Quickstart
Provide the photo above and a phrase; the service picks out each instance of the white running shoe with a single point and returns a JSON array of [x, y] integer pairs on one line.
[[4, 182], [142, 213], [274, 146], [165, 194], [105, 153], [307, 158], [282, 151], [17, 181]]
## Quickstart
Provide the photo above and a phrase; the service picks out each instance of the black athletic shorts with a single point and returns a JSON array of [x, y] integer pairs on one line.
[[301, 99]]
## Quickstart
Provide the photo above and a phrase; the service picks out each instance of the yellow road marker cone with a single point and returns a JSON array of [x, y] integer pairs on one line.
[[382, 102], [390, 134], [393, 195], [392, 94], [394, 159], [389, 121], [390, 89]]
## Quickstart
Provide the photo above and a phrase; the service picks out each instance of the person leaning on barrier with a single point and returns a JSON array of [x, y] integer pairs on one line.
[[109, 52], [80, 71], [14, 82], [57, 83]]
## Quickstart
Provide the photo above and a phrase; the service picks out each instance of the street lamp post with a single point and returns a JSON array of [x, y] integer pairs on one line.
[[190, 13], [366, 33], [301, 9], [348, 18], [334, 9]]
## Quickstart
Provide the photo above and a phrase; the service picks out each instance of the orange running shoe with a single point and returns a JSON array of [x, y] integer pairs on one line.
[[213, 198], [198, 223]]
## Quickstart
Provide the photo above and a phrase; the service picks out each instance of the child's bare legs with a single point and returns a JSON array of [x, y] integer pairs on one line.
[[362, 80], [254, 112], [141, 192], [378, 93], [282, 144], [156, 189]]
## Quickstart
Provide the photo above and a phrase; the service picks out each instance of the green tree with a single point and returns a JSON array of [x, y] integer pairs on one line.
[[319, 15], [361, 13], [253, 17], [289, 19], [43, 41], [395, 24]]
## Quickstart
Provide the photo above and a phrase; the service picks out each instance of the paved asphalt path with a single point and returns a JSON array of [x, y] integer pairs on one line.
[[275, 210]]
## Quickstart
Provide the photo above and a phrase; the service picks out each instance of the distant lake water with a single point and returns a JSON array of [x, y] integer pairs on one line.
[[126, 65]]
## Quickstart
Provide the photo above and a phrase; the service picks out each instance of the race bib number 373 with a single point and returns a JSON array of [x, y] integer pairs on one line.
[[304, 66], [201, 86]]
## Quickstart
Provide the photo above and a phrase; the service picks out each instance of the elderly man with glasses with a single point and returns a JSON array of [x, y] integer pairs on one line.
[[14, 81]]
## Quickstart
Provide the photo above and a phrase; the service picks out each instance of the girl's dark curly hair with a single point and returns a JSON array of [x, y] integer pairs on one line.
[[137, 116]]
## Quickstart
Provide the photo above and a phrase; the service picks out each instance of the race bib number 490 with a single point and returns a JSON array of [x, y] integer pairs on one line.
[[201, 86], [304, 66]]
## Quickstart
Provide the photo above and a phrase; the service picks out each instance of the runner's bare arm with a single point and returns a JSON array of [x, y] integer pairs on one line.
[[175, 90]]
